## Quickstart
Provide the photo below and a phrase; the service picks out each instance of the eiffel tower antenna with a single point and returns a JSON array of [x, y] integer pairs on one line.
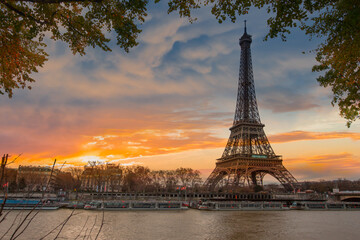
[[248, 155]]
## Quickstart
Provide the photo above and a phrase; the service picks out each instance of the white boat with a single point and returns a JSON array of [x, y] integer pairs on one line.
[[136, 205], [348, 206], [243, 206], [92, 205], [203, 206]]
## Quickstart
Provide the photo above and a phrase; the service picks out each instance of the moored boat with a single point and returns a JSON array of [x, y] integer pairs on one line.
[[297, 206], [349, 206], [136, 205], [29, 204], [75, 205], [243, 206], [92, 205]]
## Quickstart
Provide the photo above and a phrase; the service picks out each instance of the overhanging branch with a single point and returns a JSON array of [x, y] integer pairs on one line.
[[21, 13], [57, 1]]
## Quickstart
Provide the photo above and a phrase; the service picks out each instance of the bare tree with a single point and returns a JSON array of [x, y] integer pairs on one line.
[[4, 160], [195, 180], [171, 180]]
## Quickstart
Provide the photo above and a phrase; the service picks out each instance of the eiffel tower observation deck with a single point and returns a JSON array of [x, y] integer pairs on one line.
[[248, 155]]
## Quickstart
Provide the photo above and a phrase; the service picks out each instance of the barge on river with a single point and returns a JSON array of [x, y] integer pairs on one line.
[[277, 206], [135, 205], [27, 204], [349, 206], [243, 206]]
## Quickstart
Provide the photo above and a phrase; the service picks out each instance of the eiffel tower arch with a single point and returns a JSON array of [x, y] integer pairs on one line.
[[248, 155]]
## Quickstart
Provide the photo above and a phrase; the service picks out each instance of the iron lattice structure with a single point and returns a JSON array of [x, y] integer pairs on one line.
[[248, 155]]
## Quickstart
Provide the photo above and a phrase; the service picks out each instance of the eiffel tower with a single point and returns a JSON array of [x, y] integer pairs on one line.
[[248, 155]]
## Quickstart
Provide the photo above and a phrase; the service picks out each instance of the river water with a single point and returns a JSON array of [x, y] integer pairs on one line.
[[188, 224]]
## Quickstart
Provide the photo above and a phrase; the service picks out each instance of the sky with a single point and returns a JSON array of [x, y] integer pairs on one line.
[[170, 102]]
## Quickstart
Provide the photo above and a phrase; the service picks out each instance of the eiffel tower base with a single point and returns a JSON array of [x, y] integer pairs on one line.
[[249, 172]]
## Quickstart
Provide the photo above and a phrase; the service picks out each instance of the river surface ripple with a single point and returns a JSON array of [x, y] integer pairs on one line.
[[189, 224]]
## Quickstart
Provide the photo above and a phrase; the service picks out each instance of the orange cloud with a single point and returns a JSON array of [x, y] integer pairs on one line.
[[125, 144], [69, 133], [329, 166], [303, 135], [149, 142]]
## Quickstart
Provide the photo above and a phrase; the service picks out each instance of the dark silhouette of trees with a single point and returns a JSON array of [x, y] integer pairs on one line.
[[22, 184], [323, 186], [100, 177], [64, 181], [137, 178]]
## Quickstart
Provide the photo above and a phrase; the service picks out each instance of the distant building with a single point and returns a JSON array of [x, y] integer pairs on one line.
[[102, 178], [36, 177]]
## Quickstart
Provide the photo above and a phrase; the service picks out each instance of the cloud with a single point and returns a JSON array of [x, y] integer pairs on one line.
[[275, 68], [158, 141], [204, 51], [126, 133], [303, 135], [328, 166], [131, 164], [282, 101]]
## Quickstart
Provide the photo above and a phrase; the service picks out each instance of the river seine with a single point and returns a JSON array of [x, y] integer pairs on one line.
[[188, 224]]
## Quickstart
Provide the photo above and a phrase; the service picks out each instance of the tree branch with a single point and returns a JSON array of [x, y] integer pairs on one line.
[[21, 13], [82, 228], [30, 220], [92, 227], [58, 1], [4, 160], [102, 222], [18, 227]]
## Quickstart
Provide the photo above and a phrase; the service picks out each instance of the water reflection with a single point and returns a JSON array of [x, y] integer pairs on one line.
[[189, 225]]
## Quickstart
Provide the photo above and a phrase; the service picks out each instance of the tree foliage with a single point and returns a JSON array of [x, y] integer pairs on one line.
[[82, 23], [136, 178], [25, 23]]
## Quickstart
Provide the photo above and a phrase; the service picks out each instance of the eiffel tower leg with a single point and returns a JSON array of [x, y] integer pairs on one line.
[[254, 178], [285, 178], [246, 176], [262, 175], [211, 179], [257, 178], [229, 176], [215, 177], [238, 177], [242, 178]]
